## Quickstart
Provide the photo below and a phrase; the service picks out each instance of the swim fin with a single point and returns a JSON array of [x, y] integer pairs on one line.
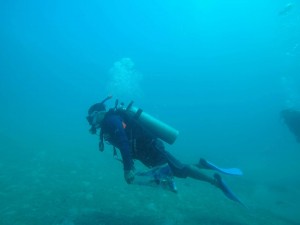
[[208, 165], [228, 193]]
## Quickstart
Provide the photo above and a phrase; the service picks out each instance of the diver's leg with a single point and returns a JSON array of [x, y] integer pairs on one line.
[[193, 172], [202, 164], [182, 170]]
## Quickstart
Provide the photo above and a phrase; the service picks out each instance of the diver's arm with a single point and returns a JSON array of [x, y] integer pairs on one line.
[[123, 145], [120, 139]]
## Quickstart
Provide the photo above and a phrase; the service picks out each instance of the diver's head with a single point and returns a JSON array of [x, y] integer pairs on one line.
[[96, 114]]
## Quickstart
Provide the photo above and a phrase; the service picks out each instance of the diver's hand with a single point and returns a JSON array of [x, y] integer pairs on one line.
[[129, 176]]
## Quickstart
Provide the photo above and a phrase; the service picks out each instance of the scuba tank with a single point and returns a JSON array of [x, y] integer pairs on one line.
[[156, 127]]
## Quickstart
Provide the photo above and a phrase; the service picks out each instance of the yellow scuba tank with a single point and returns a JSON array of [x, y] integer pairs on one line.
[[154, 126]]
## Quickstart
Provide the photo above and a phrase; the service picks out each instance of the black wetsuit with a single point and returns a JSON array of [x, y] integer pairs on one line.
[[134, 142]]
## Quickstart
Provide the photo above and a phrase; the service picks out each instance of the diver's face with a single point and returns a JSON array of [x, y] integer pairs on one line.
[[96, 118], [100, 117]]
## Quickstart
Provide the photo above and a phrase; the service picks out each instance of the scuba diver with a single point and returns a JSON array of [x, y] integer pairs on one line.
[[291, 118], [138, 136]]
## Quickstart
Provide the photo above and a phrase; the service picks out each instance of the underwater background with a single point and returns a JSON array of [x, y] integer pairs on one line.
[[218, 71]]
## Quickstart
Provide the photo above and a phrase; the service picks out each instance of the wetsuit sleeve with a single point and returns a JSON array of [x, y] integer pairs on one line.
[[120, 140]]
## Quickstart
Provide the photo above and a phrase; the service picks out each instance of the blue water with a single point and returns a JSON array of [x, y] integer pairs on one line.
[[218, 71]]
